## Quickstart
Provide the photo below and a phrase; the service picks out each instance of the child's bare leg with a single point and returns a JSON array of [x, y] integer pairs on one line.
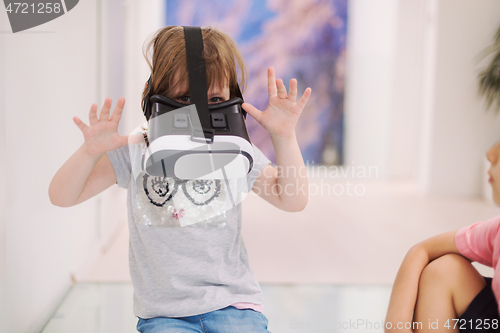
[[447, 287]]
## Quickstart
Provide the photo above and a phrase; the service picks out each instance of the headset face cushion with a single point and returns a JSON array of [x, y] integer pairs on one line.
[[176, 105]]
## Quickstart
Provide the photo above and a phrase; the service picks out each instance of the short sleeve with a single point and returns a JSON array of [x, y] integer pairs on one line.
[[477, 241], [120, 159], [259, 162]]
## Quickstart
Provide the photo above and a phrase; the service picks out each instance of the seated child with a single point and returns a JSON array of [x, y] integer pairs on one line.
[[439, 290], [195, 278]]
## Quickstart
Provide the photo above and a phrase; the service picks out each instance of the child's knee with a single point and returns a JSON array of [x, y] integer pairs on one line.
[[454, 277], [446, 268]]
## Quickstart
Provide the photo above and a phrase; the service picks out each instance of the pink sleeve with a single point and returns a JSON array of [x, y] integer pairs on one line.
[[481, 242], [477, 241]]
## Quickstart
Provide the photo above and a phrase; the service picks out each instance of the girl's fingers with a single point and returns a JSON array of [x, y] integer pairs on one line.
[[252, 110], [292, 95], [271, 82], [93, 115], [303, 100], [117, 112], [281, 88], [81, 125], [104, 115]]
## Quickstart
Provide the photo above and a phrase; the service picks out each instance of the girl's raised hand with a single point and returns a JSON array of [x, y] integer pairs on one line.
[[283, 110], [102, 135]]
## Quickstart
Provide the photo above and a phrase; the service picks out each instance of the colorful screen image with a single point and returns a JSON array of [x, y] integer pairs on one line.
[[300, 39]]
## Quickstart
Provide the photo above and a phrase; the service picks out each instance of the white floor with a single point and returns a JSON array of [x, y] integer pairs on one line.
[[321, 269], [107, 308]]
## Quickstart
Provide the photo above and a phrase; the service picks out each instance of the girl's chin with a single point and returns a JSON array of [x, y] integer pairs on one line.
[[496, 198]]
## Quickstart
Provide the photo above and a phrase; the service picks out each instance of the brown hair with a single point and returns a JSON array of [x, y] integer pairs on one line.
[[166, 57]]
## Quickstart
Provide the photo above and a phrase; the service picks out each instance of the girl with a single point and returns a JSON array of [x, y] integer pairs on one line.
[[196, 278], [438, 285]]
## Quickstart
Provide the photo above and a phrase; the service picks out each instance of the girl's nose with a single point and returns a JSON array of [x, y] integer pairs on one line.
[[492, 153]]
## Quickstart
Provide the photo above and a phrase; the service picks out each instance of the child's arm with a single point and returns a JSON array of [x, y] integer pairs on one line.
[[89, 171], [285, 187], [405, 288]]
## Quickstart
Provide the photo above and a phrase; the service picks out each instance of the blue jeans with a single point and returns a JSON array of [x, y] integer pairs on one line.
[[227, 320]]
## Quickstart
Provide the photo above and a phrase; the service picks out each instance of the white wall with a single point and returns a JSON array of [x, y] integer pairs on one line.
[[3, 192], [406, 105], [371, 49], [457, 128], [383, 86], [50, 75], [412, 106]]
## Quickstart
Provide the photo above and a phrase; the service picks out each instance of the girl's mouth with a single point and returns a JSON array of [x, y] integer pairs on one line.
[[490, 179]]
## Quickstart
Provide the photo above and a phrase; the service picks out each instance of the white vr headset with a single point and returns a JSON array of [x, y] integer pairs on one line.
[[196, 141]]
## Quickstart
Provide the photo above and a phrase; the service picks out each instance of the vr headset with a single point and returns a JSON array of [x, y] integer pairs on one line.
[[196, 141]]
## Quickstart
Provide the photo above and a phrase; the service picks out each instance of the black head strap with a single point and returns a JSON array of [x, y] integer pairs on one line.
[[197, 75]]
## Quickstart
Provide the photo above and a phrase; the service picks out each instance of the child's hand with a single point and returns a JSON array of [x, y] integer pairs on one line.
[[102, 134], [283, 111]]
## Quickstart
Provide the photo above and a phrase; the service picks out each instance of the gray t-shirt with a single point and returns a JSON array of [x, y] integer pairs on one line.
[[187, 270]]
